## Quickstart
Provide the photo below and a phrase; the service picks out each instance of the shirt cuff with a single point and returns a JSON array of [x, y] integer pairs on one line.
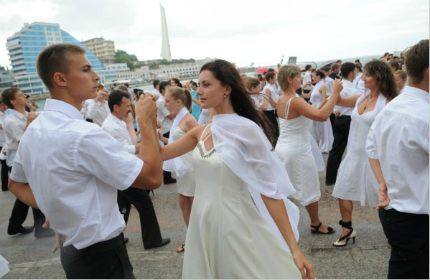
[[134, 174]]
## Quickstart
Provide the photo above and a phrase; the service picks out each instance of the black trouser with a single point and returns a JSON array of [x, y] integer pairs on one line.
[[271, 115], [341, 132], [19, 214], [4, 174], [167, 175], [103, 260], [408, 235], [151, 235], [332, 119]]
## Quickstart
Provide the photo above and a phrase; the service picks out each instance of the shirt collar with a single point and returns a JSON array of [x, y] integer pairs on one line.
[[63, 107], [347, 83], [18, 114], [416, 92], [118, 121]]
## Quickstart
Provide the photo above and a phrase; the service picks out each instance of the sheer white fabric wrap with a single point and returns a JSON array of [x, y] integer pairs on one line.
[[316, 91], [245, 149], [380, 104], [319, 161], [176, 164]]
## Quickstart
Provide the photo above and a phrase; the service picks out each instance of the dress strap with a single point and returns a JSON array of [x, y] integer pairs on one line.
[[287, 109], [203, 133]]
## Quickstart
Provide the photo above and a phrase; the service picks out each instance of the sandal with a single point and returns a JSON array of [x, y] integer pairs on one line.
[[181, 248], [317, 230]]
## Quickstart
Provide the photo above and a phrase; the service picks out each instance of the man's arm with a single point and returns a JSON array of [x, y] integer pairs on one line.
[[23, 192]]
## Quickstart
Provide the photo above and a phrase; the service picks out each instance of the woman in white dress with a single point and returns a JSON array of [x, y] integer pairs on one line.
[[253, 87], [294, 143], [356, 181], [178, 102], [242, 225], [321, 131]]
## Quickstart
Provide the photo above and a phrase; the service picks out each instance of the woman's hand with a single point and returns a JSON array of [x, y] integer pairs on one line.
[[304, 265], [383, 198]]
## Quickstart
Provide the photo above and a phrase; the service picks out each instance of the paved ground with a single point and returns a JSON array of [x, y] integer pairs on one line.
[[368, 258]]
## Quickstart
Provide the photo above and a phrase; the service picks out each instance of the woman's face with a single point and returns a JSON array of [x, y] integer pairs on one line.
[[296, 82], [173, 105], [211, 92], [317, 78], [369, 81], [400, 83], [255, 90]]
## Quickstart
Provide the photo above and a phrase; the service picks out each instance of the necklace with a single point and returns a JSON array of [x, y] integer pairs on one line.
[[368, 103]]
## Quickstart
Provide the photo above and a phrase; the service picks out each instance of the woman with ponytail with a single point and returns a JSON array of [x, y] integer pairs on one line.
[[178, 102], [242, 225]]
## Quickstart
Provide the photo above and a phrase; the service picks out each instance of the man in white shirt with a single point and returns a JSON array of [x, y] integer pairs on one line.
[[85, 108], [156, 93], [270, 93], [14, 127], [166, 121], [99, 109], [398, 150], [341, 124], [4, 169], [115, 124], [72, 169]]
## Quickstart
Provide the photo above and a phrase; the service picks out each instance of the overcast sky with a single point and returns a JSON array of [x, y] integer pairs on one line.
[[241, 31]]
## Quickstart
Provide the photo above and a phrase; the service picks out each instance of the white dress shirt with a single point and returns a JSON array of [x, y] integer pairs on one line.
[[2, 135], [307, 78], [275, 96], [329, 85], [14, 127], [162, 114], [118, 130], [74, 169], [87, 104], [348, 90], [399, 138], [156, 93], [98, 112]]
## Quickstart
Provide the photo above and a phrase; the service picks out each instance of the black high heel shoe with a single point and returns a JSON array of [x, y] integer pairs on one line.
[[351, 234]]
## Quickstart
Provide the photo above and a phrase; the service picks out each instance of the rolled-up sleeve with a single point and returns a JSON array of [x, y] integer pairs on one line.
[[371, 147]]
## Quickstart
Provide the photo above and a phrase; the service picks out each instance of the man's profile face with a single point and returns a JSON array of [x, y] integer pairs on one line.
[[82, 81]]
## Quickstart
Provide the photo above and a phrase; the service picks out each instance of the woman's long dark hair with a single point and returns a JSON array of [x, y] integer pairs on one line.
[[240, 98], [382, 72]]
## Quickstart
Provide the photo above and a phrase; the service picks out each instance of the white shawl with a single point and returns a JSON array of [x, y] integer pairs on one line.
[[245, 149]]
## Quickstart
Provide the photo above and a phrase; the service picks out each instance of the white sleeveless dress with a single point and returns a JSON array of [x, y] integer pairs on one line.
[[356, 180], [321, 131], [186, 184], [227, 237], [294, 150]]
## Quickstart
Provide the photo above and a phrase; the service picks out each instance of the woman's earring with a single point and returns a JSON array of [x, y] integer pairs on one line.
[[225, 96]]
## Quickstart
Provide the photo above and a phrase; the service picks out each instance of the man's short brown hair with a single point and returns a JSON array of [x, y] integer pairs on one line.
[[8, 95], [55, 59], [417, 61]]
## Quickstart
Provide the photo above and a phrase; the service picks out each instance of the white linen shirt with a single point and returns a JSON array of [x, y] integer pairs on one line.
[[348, 90], [2, 135], [329, 85], [14, 127], [399, 138], [98, 112], [162, 113], [118, 130], [275, 96], [74, 169]]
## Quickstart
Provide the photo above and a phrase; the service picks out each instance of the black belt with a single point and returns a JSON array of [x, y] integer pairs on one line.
[[344, 117], [99, 247]]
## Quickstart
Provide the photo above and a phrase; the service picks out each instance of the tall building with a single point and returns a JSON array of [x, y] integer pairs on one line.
[[24, 48], [165, 48], [103, 49]]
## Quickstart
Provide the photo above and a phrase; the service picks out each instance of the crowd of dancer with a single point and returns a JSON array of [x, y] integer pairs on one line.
[[238, 148]]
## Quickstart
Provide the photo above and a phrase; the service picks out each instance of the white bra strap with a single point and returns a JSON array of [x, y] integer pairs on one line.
[[203, 133], [288, 108]]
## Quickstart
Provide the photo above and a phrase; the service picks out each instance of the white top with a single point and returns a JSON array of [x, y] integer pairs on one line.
[[307, 78], [357, 79], [399, 138], [2, 136], [275, 96], [74, 169], [162, 114], [118, 130], [14, 127], [87, 104], [156, 93], [258, 100], [329, 85], [348, 90], [98, 112]]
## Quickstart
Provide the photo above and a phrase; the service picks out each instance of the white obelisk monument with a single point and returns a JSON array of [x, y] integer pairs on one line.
[[165, 48]]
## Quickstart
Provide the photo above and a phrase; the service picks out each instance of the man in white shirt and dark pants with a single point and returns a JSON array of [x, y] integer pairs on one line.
[[4, 169], [14, 127], [269, 92], [71, 169], [115, 124], [398, 150], [341, 124], [166, 121]]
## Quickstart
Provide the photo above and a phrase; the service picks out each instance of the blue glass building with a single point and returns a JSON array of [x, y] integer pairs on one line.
[[24, 48]]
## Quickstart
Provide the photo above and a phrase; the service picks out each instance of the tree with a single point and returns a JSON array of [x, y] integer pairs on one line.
[[123, 57]]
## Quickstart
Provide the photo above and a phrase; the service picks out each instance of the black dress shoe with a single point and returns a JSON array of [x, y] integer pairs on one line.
[[169, 181], [43, 233], [163, 242], [21, 229], [126, 240]]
